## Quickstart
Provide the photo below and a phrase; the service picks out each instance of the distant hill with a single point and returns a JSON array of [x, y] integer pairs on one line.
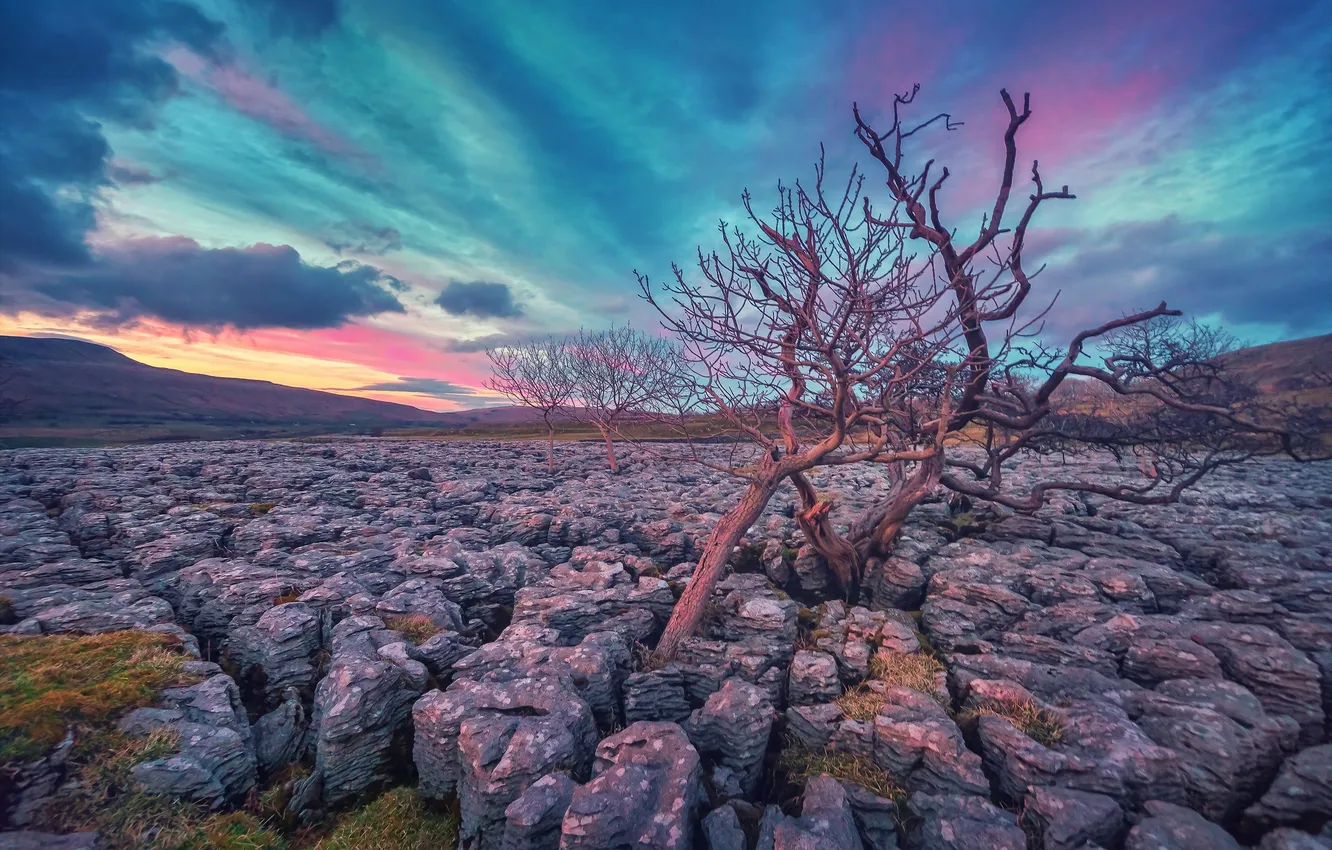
[[1284, 367], [69, 382], [485, 416], [75, 392]]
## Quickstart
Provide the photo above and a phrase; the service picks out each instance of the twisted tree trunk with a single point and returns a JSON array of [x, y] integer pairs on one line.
[[550, 449], [872, 534], [610, 448], [716, 552], [837, 551]]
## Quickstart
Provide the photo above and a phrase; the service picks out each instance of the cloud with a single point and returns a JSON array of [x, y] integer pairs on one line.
[[177, 280], [360, 237], [299, 18], [424, 386], [128, 174], [1201, 268], [53, 154], [261, 100], [490, 341], [479, 298]]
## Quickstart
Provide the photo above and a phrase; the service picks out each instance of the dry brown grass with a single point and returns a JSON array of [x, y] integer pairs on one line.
[[417, 628], [50, 682], [802, 763], [860, 703], [913, 670], [1042, 725], [289, 596]]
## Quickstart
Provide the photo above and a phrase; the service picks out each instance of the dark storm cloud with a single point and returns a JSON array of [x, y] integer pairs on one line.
[[360, 237], [1282, 278], [65, 67], [178, 281], [479, 298], [423, 386]]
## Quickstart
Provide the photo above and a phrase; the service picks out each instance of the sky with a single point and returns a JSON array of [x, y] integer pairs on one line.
[[362, 195]]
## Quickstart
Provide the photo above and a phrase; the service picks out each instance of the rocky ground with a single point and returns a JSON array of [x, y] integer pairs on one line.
[[448, 615]]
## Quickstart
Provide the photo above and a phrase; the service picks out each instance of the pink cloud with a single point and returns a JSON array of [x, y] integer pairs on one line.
[[383, 350], [261, 100], [1097, 72]]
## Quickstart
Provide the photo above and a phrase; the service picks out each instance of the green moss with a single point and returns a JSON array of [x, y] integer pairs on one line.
[[926, 645], [50, 685], [398, 820], [234, 831], [49, 682], [103, 798]]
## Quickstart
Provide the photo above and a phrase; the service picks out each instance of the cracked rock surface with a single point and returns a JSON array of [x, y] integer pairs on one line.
[[450, 614]]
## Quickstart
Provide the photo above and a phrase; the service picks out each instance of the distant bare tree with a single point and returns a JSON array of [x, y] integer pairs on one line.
[[618, 372], [888, 342], [539, 375]]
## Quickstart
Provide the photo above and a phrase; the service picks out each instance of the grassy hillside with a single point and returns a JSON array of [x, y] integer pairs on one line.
[[66, 391]]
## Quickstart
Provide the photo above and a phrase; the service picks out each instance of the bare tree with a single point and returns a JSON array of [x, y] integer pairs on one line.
[[618, 372], [537, 374], [884, 340]]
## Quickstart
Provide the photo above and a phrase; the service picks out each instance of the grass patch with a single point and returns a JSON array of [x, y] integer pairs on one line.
[[1042, 725], [926, 645], [233, 831], [807, 620], [712, 615], [965, 524], [103, 798], [913, 670], [50, 682], [804, 642], [269, 804], [646, 658], [802, 763], [417, 628], [860, 703], [398, 820]]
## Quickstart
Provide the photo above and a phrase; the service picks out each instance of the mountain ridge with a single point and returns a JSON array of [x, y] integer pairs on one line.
[[63, 384], [75, 381]]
